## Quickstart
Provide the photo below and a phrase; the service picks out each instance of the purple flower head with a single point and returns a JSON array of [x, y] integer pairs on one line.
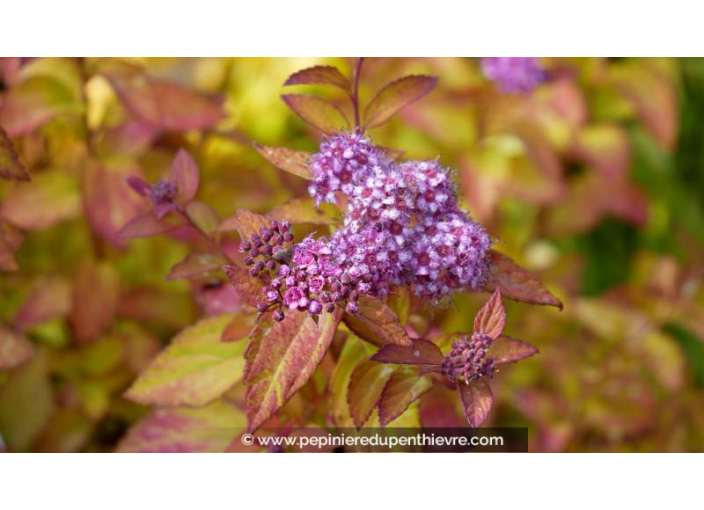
[[514, 74], [467, 360]]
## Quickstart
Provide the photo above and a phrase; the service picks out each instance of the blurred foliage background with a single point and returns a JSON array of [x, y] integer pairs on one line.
[[593, 181]]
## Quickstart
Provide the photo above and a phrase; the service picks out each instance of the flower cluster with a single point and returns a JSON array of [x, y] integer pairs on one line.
[[407, 215], [467, 360], [514, 74], [403, 227]]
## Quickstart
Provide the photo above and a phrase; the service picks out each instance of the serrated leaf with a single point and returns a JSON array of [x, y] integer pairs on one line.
[[94, 300], [395, 96], [319, 113], [208, 429], [248, 288], [245, 222], [15, 349], [376, 323], [10, 165], [420, 352], [477, 400], [403, 388], [184, 172], [516, 282], [354, 352], [491, 319], [303, 210], [195, 264], [57, 193], [506, 349], [287, 355], [195, 369], [289, 160], [366, 384], [319, 75]]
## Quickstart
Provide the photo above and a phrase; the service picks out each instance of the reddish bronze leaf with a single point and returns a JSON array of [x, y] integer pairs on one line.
[[10, 242], [161, 103], [505, 349], [15, 349], [249, 289], [94, 300], [195, 264], [516, 282], [366, 384], [376, 323], [421, 352], [395, 96], [245, 222], [319, 75], [491, 319], [184, 172], [49, 299], [147, 225], [10, 165], [403, 388], [477, 400], [289, 160], [319, 113], [287, 355]]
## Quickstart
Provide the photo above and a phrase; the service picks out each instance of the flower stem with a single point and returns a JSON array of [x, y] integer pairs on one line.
[[355, 95]]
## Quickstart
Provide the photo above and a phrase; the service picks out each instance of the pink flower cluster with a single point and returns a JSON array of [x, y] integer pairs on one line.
[[402, 227], [514, 74], [467, 360], [403, 223]]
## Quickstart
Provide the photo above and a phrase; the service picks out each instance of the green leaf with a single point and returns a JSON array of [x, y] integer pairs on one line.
[[287, 355], [15, 349], [376, 323], [289, 160], [57, 193], [319, 75], [10, 165], [354, 352], [366, 384], [516, 282], [491, 319], [208, 429], [195, 369], [303, 210], [395, 96], [319, 113], [403, 388], [204, 216], [26, 403]]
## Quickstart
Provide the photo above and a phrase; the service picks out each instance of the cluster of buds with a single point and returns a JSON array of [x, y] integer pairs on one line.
[[514, 74], [403, 227], [467, 360]]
